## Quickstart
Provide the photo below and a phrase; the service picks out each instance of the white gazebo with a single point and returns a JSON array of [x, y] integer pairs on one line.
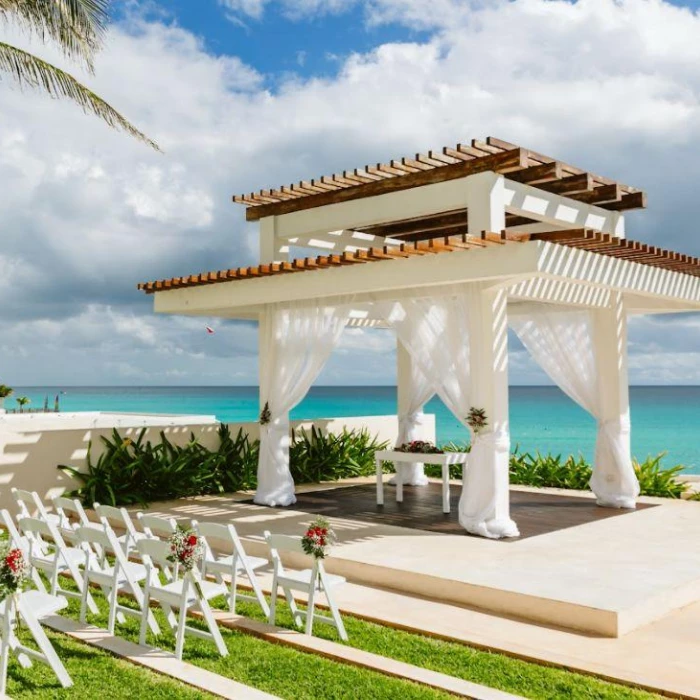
[[448, 250]]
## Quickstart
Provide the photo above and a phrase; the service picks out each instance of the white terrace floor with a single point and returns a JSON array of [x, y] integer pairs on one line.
[[561, 597]]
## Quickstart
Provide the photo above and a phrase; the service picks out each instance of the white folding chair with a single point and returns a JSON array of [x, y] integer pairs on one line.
[[121, 518], [65, 508], [311, 581], [54, 558], [22, 543], [30, 606], [31, 506], [157, 527], [122, 576], [238, 562], [188, 592]]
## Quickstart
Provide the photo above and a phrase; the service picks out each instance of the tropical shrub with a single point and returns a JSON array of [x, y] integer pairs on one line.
[[319, 456], [138, 471]]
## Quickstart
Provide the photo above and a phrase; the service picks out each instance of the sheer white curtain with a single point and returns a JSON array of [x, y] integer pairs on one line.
[[562, 343], [412, 421], [295, 343], [435, 330]]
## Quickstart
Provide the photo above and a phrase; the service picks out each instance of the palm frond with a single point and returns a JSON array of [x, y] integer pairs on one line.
[[77, 26], [30, 70]]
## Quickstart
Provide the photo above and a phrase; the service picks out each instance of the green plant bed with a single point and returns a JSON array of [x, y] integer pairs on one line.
[[95, 674], [137, 471]]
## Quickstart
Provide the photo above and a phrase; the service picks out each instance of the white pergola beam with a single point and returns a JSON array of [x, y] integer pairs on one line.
[[558, 211], [584, 266]]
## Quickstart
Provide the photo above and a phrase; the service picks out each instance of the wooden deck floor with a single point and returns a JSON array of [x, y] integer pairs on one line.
[[535, 513]]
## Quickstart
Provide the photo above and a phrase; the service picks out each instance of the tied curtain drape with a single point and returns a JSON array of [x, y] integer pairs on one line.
[[562, 343], [295, 343], [412, 421], [435, 331]]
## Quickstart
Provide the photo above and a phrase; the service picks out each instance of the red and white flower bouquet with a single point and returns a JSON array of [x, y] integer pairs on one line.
[[14, 570], [186, 548], [318, 539]]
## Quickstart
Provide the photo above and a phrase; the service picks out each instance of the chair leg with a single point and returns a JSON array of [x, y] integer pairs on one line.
[[83, 599], [213, 627], [145, 610], [272, 612], [112, 598], [293, 607], [311, 604], [180, 634], [335, 613], [5, 649], [234, 581], [257, 590], [43, 642]]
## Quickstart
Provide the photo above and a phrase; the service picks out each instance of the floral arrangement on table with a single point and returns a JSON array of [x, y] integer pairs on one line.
[[318, 538], [421, 447], [186, 548], [476, 420], [14, 570]]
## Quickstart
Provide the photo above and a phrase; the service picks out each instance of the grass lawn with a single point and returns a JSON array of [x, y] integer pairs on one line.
[[293, 674], [279, 670], [487, 668], [95, 674]]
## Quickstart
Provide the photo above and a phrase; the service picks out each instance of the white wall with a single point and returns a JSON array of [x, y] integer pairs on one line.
[[29, 457]]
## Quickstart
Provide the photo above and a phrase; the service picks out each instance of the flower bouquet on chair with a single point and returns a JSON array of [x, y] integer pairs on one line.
[[187, 550], [318, 538], [14, 570]]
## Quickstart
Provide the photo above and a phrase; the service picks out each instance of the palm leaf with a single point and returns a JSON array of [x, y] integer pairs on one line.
[[30, 70], [77, 26]]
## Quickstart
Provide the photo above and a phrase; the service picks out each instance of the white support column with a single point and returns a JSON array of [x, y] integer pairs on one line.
[[614, 481], [410, 388], [275, 486], [484, 508], [486, 203], [272, 247]]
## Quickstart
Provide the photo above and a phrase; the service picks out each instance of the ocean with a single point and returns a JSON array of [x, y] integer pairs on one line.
[[664, 418]]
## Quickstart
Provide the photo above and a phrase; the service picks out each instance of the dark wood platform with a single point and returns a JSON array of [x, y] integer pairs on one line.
[[535, 513]]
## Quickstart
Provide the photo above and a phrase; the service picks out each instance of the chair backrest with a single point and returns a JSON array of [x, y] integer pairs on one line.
[[16, 539], [36, 530], [116, 515], [156, 526], [220, 532], [64, 506], [284, 543], [154, 552], [29, 503], [93, 535]]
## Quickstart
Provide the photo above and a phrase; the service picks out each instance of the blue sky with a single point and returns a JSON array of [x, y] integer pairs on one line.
[[244, 94]]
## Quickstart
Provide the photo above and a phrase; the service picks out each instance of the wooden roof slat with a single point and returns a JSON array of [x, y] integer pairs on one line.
[[507, 161], [533, 168]]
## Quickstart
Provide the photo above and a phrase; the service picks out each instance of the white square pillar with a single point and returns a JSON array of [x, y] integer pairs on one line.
[[486, 198], [614, 481], [272, 247], [409, 388], [484, 507]]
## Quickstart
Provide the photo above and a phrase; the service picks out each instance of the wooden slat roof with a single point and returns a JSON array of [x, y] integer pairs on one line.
[[594, 241], [494, 154]]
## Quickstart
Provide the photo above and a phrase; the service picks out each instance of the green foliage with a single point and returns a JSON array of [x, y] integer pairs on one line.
[[319, 456], [5, 391], [656, 481], [575, 473], [549, 470], [137, 471]]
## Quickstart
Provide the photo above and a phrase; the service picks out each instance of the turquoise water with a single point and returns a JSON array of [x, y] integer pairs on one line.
[[664, 418]]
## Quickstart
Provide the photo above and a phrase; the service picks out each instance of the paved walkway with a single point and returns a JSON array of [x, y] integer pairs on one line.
[[157, 660]]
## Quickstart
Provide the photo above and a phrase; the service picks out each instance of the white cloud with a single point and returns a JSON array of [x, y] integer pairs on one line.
[[86, 213]]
